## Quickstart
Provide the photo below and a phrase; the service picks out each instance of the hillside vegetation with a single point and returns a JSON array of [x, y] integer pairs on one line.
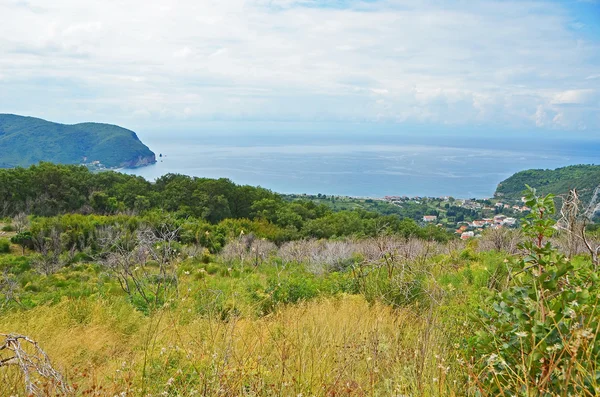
[[49, 190], [194, 286], [584, 178], [27, 140]]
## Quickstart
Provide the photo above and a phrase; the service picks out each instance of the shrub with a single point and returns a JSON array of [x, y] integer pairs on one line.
[[4, 246], [411, 285], [319, 256], [292, 289], [8, 228], [248, 250], [540, 336]]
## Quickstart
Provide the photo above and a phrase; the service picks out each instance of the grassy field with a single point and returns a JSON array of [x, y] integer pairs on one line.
[[334, 346], [279, 329], [384, 316]]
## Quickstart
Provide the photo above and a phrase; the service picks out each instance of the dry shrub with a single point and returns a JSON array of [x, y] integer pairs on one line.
[[326, 255], [399, 249], [501, 239], [567, 245], [319, 256], [248, 249]]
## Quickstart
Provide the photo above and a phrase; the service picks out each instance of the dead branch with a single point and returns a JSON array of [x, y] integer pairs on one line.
[[41, 379], [574, 221]]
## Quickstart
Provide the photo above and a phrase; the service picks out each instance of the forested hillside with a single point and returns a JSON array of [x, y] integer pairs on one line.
[[584, 178], [27, 140], [49, 190]]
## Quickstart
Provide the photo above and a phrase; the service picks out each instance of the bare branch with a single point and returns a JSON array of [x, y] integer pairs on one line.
[[41, 379], [574, 221]]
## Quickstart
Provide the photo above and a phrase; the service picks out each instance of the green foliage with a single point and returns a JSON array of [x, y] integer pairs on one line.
[[208, 211], [4, 246], [24, 239], [292, 289], [296, 285], [541, 335], [584, 178], [26, 140], [409, 208], [409, 285], [48, 189], [536, 332]]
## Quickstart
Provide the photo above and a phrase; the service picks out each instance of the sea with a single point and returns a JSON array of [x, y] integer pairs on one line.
[[365, 165]]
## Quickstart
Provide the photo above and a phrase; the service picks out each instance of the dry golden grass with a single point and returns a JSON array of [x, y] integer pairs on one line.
[[333, 347]]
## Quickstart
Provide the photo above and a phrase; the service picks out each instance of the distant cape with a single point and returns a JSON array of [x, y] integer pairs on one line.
[[584, 178], [27, 140]]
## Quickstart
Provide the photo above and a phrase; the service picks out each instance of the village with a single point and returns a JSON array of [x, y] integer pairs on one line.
[[477, 214], [468, 218]]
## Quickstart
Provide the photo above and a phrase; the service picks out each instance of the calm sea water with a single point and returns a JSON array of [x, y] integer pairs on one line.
[[367, 166]]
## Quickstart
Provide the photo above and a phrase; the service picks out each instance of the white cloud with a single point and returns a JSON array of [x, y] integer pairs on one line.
[[183, 53], [380, 91], [220, 51], [573, 97], [83, 28], [540, 116], [132, 61]]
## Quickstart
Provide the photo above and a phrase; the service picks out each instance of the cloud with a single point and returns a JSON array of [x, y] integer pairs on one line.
[[183, 53], [540, 116], [509, 63], [574, 97]]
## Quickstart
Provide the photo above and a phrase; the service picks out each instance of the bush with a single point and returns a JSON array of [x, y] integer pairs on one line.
[[4, 246], [293, 289], [411, 285], [8, 228], [541, 335]]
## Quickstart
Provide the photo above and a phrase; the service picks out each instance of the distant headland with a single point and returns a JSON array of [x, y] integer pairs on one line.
[[27, 140]]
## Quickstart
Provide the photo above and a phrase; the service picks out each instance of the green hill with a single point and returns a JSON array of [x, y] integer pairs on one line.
[[585, 178], [27, 140]]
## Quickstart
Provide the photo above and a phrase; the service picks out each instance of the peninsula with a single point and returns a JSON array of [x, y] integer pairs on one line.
[[27, 140]]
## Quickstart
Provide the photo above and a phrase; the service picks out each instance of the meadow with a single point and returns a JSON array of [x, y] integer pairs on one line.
[[135, 310]]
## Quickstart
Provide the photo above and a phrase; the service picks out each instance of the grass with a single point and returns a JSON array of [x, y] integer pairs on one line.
[[233, 329], [319, 347], [272, 330]]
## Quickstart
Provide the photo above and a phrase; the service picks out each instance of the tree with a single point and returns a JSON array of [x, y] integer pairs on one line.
[[142, 203], [99, 202], [24, 239], [266, 209]]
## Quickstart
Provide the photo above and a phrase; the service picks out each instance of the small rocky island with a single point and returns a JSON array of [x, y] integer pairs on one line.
[[27, 140]]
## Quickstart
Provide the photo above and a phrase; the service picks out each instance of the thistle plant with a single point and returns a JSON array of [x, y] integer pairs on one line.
[[540, 336]]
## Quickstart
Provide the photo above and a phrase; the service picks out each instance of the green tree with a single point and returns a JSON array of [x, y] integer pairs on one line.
[[24, 239]]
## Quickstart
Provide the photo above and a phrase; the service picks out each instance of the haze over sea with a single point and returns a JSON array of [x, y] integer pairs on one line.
[[373, 165]]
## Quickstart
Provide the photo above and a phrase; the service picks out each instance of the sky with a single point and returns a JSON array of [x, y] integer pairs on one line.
[[152, 64]]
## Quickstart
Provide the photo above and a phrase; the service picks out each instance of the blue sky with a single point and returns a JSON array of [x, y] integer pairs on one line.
[[151, 64]]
